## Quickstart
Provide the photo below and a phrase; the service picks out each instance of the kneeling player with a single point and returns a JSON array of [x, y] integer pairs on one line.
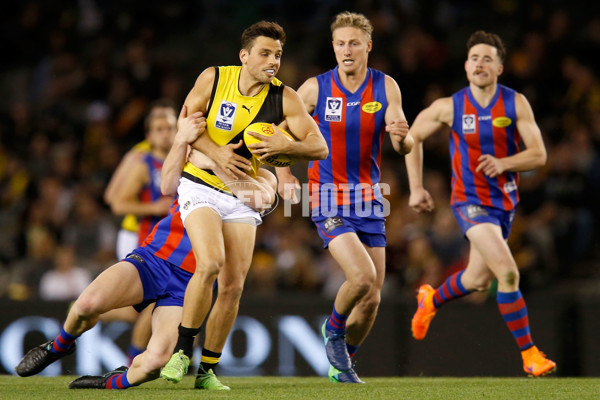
[[158, 270]]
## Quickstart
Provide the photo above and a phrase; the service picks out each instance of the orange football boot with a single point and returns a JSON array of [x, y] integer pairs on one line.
[[535, 362], [425, 312]]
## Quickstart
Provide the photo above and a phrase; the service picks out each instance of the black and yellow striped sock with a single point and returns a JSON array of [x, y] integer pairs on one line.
[[209, 360]]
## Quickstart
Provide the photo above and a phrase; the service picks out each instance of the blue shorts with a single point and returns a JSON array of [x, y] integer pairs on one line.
[[163, 282], [469, 215], [370, 229]]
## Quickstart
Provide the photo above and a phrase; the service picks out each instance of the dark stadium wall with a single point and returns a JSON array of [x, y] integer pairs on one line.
[[282, 338]]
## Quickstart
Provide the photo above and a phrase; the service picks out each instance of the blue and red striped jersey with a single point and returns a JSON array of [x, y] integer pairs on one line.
[[169, 241], [475, 131], [150, 192], [353, 125]]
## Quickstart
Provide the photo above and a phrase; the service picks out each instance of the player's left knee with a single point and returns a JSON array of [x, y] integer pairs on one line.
[[510, 278], [232, 290], [154, 361], [370, 304]]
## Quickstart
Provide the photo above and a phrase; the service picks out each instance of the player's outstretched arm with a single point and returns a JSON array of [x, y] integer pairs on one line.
[[189, 129]]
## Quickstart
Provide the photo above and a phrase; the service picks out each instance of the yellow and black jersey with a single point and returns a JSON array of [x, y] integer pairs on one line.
[[230, 112]]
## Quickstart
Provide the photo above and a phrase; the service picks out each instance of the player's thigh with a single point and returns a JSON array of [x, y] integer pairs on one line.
[[239, 241], [349, 252], [204, 228], [117, 286], [487, 240], [125, 314]]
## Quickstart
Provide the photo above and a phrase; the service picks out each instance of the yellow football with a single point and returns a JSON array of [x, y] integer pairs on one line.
[[263, 128]]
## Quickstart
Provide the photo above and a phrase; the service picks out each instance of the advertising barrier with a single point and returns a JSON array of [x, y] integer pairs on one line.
[[280, 336]]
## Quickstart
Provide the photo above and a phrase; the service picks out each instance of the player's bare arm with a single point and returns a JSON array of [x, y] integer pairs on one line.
[[127, 200], [435, 118], [119, 177], [287, 182], [189, 129], [224, 156], [310, 144], [534, 154], [395, 120]]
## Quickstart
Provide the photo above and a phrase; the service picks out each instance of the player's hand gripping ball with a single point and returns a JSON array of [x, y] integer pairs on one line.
[[263, 128]]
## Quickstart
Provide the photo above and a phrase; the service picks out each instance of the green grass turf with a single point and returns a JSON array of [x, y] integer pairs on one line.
[[40, 388]]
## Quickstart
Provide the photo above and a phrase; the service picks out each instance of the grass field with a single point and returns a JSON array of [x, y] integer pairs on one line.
[[40, 388]]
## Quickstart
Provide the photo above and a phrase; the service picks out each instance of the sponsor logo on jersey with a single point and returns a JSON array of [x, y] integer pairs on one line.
[[501, 122], [333, 222], [372, 107], [333, 109], [226, 116], [469, 123], [474, 211]]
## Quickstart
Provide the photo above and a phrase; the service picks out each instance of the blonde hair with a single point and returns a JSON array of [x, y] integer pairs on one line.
[[352, 20]]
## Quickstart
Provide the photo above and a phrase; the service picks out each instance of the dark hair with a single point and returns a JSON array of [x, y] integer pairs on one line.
[[263, 28], [482, 37], [159, 109]]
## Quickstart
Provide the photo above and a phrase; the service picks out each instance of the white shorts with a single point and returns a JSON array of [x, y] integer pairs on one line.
[[194, 195], [126, 242]]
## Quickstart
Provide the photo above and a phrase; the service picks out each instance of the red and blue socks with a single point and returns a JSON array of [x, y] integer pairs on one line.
[[351, 349], [451, 289], [63, 342], [118, 381], [336, 322], [514, 311], [133, 351]]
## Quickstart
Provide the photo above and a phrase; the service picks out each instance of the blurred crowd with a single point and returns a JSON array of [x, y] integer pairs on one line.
[[78, 77]]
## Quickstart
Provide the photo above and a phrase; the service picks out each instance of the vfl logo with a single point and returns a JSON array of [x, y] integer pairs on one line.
[[469, 124], [226, 116], [333, 109], [247, 109]]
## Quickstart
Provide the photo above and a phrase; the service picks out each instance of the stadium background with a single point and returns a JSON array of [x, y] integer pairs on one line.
[[76, 81]]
